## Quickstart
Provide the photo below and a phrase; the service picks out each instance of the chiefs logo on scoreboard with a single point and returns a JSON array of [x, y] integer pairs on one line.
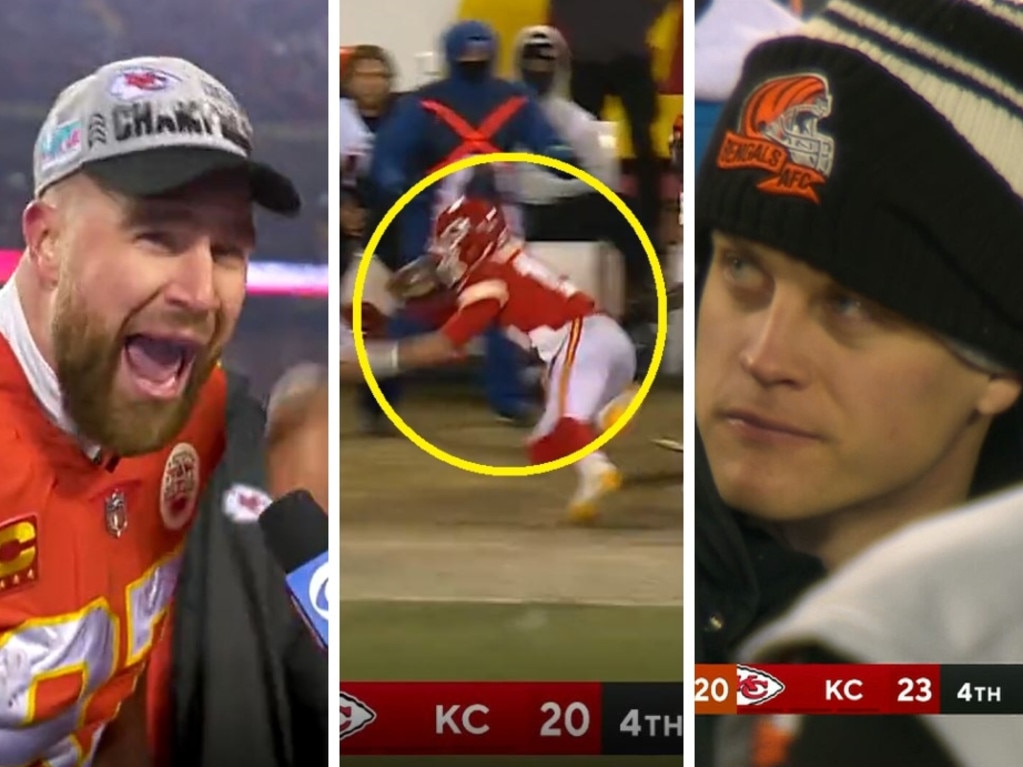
[[355, 715], [755, 687]]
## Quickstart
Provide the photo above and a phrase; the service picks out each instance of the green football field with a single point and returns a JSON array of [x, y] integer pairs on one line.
[[459, 641], [450, 576]]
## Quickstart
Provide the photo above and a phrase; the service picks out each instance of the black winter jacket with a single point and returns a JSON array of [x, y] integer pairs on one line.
[[249, 684]]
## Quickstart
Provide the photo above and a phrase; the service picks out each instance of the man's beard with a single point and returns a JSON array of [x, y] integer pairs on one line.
[[87, 361]]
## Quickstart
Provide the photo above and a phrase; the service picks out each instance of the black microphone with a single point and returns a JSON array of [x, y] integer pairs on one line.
[[296, 533]]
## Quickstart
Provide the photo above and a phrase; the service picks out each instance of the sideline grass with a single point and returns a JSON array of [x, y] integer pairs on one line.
[[473, 641]]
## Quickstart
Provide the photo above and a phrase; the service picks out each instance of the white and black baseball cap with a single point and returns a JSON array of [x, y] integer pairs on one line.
[[147, 126]]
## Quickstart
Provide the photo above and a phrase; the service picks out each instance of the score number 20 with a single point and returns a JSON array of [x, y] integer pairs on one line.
[[715, 690], [573, 721]]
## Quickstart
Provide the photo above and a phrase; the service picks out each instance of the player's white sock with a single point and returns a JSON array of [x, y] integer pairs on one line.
[[594, 463]]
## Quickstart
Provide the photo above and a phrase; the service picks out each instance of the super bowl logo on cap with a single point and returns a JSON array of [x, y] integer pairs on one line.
[[141, 82], [180, 488], [59, 144]]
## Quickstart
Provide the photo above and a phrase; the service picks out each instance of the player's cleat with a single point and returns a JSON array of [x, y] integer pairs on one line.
[[596, 482], [615, 409]]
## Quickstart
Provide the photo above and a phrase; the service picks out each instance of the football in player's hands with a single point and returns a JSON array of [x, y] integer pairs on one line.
[[374, 321], [417, 279]]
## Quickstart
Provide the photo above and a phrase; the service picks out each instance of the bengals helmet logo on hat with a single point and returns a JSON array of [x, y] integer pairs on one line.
[[778, 132]]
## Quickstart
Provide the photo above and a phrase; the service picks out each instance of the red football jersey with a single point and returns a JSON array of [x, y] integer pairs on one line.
[[538, 306], [89, 558]]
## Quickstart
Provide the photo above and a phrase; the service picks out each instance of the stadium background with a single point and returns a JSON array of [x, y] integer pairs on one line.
[[446, 575], [272, 55], [411, 45]]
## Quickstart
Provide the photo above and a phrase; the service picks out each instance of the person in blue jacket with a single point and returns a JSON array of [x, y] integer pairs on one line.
[[469, 111]]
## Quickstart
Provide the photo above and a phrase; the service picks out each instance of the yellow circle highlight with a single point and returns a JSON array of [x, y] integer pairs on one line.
[[360, 343]]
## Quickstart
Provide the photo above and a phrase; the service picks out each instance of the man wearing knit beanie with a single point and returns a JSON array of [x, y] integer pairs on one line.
[[858, 363]]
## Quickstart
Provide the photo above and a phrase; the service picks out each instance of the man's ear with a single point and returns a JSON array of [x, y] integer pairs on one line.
[[999, 394], [40, 226]]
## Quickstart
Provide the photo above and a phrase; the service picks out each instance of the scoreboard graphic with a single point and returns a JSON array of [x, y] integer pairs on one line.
[[647, 719], [511, 718], [858, 689]]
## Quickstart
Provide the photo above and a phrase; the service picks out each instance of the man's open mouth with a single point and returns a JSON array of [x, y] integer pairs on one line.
[[160, 365]]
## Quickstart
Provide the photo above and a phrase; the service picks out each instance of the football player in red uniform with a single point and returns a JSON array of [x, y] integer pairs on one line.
[[486, 276], [131, 283]]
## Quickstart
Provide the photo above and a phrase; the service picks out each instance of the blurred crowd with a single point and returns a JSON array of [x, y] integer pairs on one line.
[[274, 334], [272, 55]]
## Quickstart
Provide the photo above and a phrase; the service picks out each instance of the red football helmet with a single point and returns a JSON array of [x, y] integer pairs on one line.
[[466, 233]]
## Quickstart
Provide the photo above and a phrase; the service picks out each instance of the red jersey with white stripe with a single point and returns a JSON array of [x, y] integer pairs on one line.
[[89, 560], [537, 306]]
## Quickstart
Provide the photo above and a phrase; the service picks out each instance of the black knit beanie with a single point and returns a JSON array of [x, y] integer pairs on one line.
[[883, 144]]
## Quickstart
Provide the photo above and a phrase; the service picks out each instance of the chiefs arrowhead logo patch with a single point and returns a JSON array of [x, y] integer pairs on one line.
[[244, 504], [755, 687], [355, 715]]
